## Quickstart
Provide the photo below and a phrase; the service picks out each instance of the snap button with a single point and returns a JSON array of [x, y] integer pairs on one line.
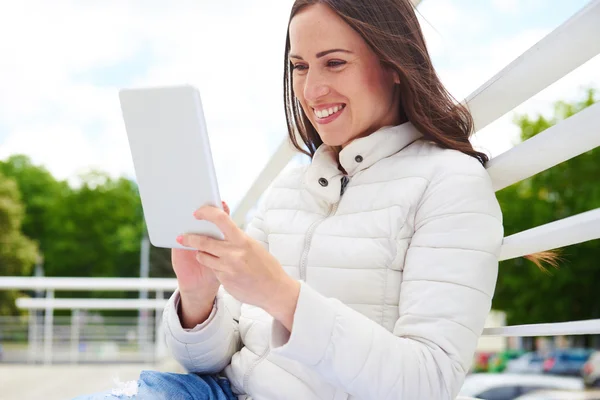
[[323, 182], [358, 159]]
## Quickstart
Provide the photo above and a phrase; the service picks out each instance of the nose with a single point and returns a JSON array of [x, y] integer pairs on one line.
[[315, 86]]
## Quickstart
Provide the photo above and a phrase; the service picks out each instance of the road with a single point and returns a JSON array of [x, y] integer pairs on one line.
[[64, 382]]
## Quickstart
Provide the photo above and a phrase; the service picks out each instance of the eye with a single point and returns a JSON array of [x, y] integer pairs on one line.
[[299, 67], [335, 63]]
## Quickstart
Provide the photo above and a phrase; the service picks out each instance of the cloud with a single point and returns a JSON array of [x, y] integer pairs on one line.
[[59, 82], [517, 6], [59, 146], [507, 6], [445, 23], [66, 60], [482, 60]]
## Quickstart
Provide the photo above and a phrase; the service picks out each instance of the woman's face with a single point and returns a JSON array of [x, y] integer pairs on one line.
[[338, 79]]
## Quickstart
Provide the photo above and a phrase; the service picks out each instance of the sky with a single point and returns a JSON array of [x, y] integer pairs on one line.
[[63, 62]]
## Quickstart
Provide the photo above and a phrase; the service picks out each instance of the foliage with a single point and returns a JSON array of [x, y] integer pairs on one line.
[[17, 252], [527, 294]]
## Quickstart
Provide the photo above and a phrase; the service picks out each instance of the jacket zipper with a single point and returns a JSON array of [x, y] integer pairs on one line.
[[303, 260], [311, 230], [308, 239]]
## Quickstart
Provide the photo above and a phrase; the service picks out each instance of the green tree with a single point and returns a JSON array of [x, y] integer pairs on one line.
[[97, 230], [17, 252], [527, 294], [91, 230], [41, 195]]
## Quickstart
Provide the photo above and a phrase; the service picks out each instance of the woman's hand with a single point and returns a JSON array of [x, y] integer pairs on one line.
[[198, 285], [244, 267]]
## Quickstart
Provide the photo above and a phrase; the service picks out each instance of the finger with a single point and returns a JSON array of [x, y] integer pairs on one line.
[[226, 208], [203, 243], [208, 260], [221, 220]]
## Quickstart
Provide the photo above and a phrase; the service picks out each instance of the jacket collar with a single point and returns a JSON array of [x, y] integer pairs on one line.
[[323, 178]]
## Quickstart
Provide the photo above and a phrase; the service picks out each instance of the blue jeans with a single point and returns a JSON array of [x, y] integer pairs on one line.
[[154, 385]]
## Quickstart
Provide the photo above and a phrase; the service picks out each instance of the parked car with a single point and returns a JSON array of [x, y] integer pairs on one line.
[[481, 362], [567, 361], [561, 395], [507, 386], [529, 363], [498, 362], [591, 370]]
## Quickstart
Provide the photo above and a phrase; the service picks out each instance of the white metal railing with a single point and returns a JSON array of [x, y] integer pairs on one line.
[[49, 303], [78, 338], [533, 71]]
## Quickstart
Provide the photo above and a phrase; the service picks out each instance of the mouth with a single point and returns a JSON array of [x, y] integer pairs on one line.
[[325, 115]]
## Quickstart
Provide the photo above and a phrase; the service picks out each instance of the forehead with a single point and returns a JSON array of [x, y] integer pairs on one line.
[[317, 28]]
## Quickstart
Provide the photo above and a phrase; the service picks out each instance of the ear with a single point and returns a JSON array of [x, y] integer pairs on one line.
[[394, 75]]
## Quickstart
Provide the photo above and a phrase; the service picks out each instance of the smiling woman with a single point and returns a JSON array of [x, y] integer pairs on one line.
[[380, 69], [367, 274]]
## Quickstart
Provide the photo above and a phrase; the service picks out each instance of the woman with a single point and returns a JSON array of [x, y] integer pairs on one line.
[[367, 274]]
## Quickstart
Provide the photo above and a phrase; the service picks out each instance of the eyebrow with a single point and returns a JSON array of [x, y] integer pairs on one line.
[[323, 53]]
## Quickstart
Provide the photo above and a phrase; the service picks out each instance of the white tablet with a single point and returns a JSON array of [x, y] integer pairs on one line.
[[172, 159]]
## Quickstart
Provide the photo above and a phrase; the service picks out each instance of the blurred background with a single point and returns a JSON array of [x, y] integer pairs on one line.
[[70, 210]]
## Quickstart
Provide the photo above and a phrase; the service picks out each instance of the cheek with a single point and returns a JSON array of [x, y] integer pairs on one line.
[[362, 89], [375, 83], [298, 89], [371, 92]]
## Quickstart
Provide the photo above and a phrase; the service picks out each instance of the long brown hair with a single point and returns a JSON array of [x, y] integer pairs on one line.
[[392, 31]]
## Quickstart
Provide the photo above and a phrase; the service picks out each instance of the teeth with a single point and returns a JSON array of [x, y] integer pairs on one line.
[[327, 112]]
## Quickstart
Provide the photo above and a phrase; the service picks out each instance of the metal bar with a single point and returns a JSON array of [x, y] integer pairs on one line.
[[48, 326], [565, 232], [86, 284], [32, 337], [90, 304], [570, 138], [587, 327], [159, 343], [143, 294], [75, 318]]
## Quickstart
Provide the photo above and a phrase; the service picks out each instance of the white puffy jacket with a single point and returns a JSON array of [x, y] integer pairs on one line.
[[397, 274]]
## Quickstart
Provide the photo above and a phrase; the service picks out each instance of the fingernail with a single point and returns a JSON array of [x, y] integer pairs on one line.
[[179, 239]]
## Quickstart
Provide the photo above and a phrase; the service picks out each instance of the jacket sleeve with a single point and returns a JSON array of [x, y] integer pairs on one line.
[[208, 348], [450, 273]]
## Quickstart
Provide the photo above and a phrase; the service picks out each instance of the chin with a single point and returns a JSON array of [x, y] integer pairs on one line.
[[333, 139], [332, 142]]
